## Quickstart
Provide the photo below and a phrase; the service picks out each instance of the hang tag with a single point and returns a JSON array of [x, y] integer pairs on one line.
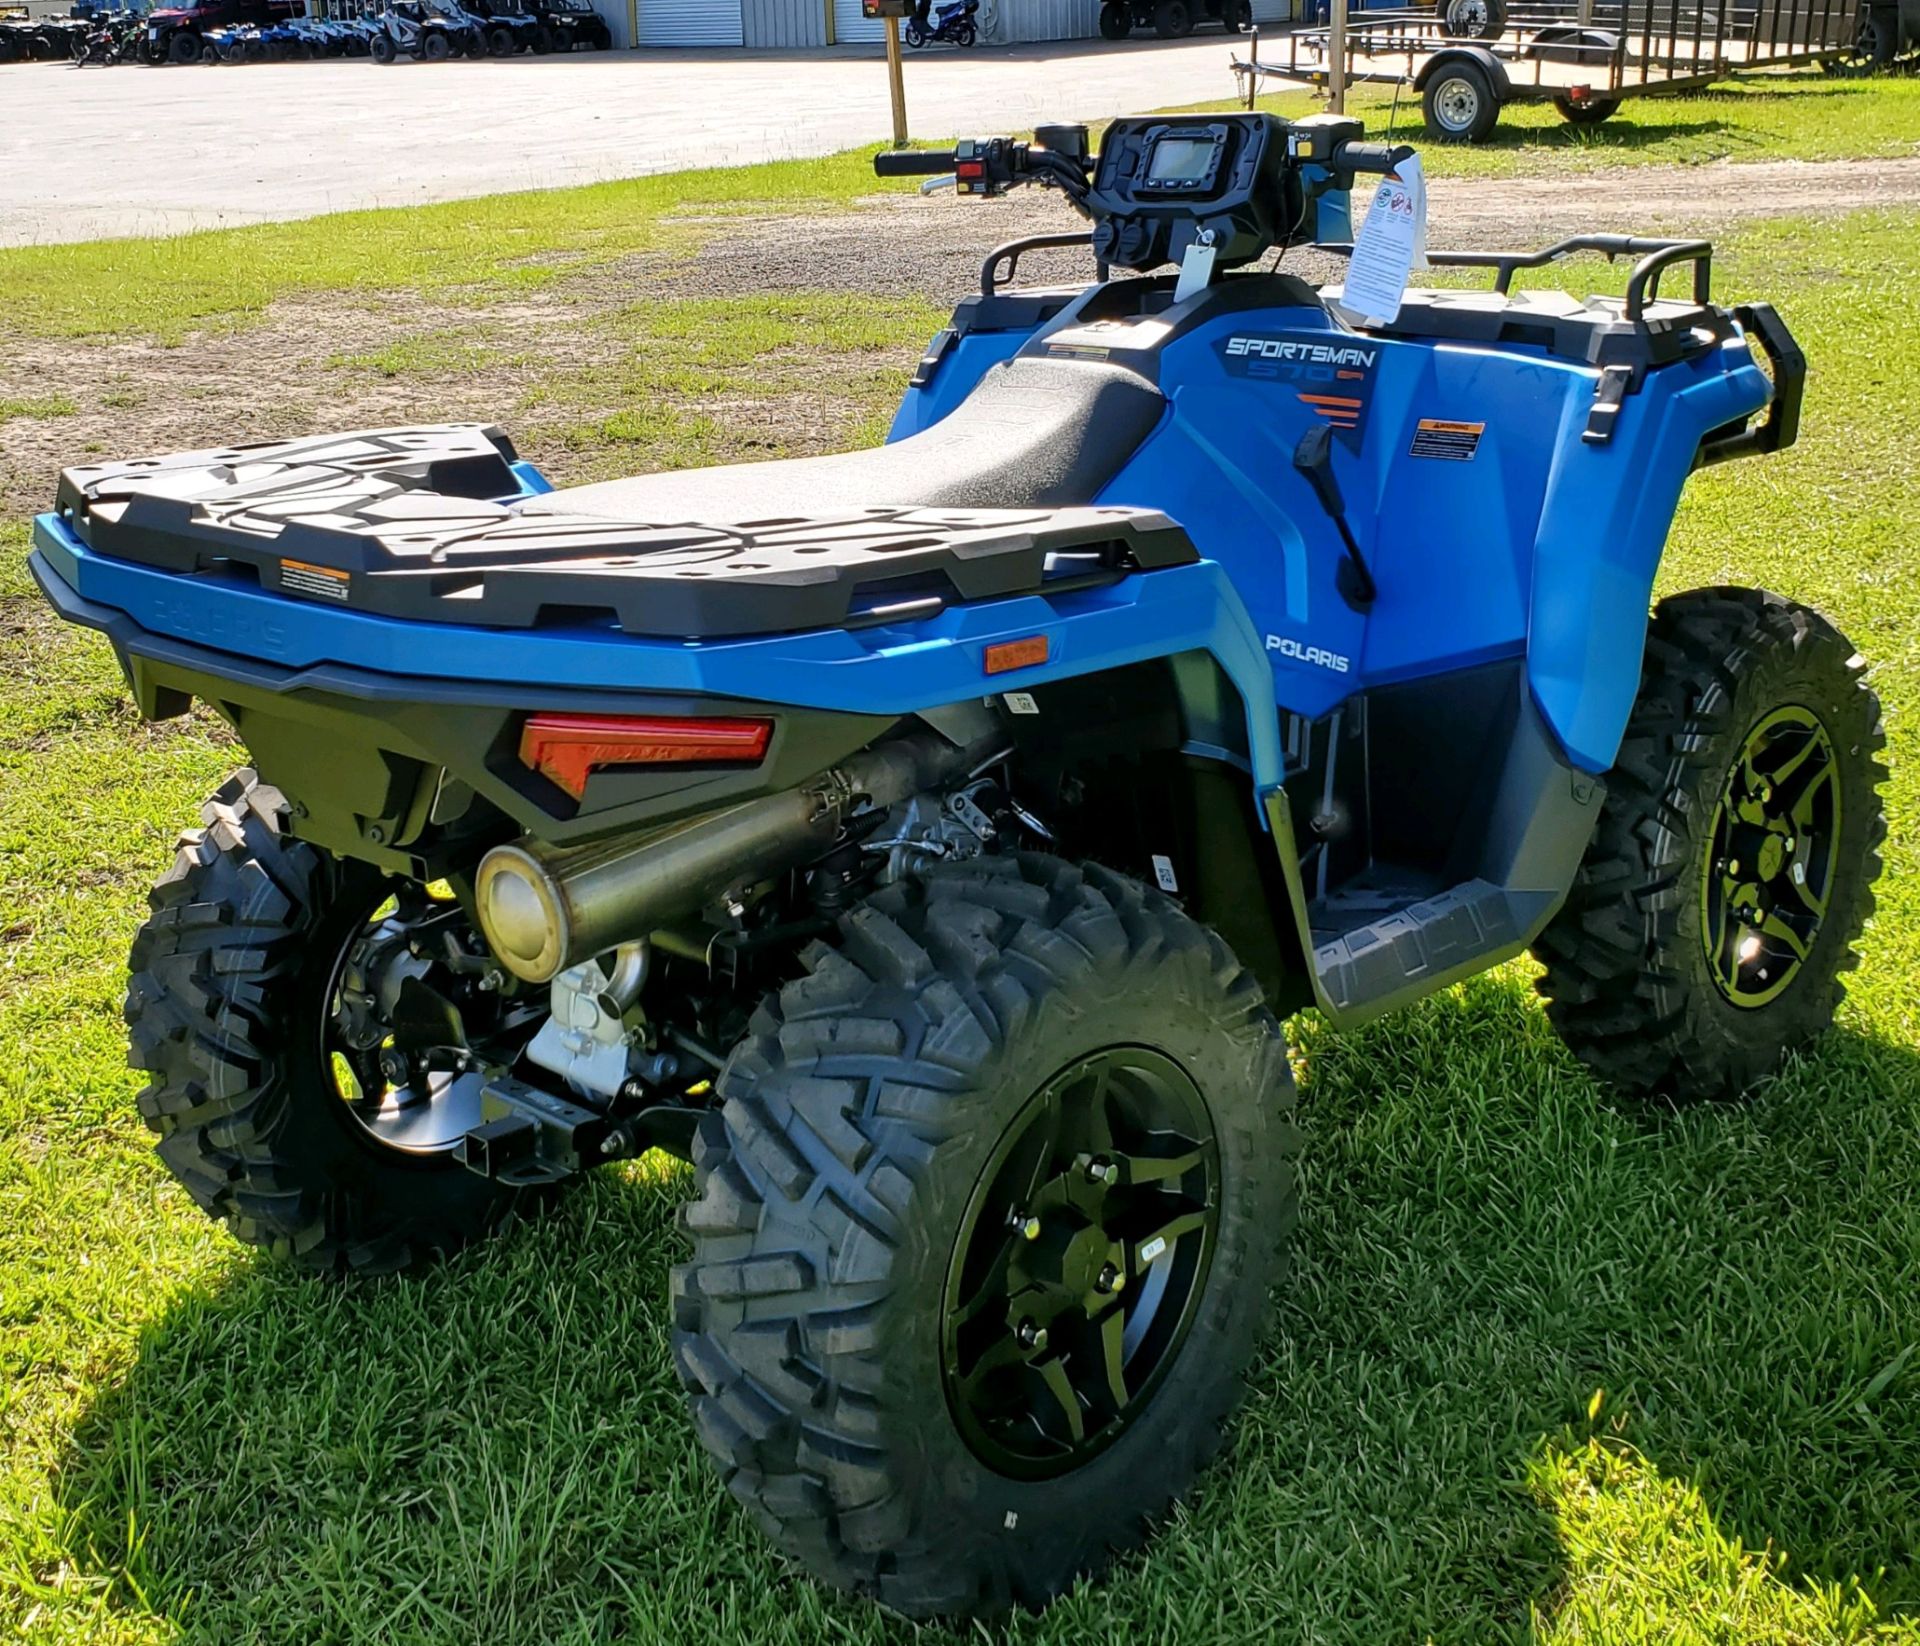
[[1392, 243], [1196, 268]]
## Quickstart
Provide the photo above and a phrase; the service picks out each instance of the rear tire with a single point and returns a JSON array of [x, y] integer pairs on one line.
[[1459, 104], [436, 48], [380, 49], [1654, 977], [226, 1010], [185, 47], [862, 1154], [966, 36], [1116, 22], [1172, 20]]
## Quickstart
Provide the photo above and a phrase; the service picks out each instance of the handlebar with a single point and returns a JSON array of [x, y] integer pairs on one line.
[[914, 163], [1383, 158]]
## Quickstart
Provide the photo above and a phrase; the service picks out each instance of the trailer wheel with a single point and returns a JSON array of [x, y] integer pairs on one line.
[[1459, 103], [1116, 22], [985, 1232], [1172, 20], [1733, 867], [1876, 42], [1590, 112], [1474, 19]]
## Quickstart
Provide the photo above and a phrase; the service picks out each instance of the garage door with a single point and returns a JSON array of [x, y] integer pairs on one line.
[[849, 27], [690, 23], [1272, 11]]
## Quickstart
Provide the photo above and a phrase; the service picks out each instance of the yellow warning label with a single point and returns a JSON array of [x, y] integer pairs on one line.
[[324, 582]]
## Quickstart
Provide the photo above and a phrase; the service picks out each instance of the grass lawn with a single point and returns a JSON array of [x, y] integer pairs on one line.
[[168, 286], [1551, 1368], [1796, 115]]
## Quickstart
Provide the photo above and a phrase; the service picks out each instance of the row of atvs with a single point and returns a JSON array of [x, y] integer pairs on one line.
[[432, 30]]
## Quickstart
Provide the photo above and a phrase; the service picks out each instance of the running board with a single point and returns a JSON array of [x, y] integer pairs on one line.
[[1522, 849], [1427, 945]]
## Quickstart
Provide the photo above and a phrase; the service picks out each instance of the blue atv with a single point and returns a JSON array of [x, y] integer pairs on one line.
[[927, 842]]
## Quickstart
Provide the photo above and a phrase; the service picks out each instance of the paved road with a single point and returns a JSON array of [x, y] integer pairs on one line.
[[150, 151]]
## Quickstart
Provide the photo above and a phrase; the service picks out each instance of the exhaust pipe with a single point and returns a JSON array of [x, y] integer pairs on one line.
[[545, 908]]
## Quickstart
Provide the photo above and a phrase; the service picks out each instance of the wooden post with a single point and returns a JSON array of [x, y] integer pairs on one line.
[[1253, 66], [1337, 58], [895, 84]]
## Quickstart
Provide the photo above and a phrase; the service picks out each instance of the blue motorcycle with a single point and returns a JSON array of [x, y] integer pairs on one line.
[[929, 841], [953, 24]]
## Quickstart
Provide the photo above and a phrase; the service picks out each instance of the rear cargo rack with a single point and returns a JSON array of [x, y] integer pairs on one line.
[[437, 524]]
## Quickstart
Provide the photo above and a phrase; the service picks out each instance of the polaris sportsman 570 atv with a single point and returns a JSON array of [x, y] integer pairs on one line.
[[928, 840]]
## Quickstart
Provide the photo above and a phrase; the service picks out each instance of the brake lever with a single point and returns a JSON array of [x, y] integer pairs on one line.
[[934, 184]]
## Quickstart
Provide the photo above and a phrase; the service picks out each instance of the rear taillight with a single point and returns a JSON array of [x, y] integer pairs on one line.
[[570, 748]]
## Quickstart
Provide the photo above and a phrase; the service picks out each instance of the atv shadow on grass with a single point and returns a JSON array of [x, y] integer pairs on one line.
[[494, 1450]]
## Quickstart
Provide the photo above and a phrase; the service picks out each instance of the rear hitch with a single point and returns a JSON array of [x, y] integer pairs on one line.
[[528, 1136]]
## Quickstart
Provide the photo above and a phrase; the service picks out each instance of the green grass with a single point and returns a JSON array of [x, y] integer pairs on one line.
[[1550, 1368], [673, 365], [424, 354], [57, 405], [167, 287], [1801, 115]]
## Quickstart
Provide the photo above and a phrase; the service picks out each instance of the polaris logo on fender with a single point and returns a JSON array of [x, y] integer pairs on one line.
[[1308, 354], [1298, 653]]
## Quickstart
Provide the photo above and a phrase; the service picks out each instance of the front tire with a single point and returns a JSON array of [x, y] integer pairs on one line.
[[233, 983], [1733, 867], [1116, 22], [863, 1318], [1172, 20]]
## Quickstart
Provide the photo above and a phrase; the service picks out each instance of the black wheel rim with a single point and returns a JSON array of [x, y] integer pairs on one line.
[[1769, 874], [413, 1016], [1080, 1262]]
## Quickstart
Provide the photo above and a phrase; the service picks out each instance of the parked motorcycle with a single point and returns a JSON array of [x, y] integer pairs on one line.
[[952, 24]]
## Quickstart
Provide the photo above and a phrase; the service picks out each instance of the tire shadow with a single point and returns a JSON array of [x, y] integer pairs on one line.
[[495, 1450]]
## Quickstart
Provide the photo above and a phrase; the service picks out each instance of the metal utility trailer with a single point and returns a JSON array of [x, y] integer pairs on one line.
[[1585, 59]]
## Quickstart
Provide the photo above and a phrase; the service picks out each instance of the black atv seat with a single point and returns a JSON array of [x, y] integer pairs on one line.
[[1036, 433]]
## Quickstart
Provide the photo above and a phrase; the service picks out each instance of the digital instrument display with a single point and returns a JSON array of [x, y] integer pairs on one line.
[[1181, 160]]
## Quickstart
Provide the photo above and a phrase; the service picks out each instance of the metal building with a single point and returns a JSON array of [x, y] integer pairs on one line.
[[804, 23]]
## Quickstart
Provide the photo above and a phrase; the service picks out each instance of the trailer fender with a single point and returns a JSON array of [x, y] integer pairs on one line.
[[1480, 57]]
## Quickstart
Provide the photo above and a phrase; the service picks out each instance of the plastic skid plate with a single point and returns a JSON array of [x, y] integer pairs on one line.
[[425, 524]]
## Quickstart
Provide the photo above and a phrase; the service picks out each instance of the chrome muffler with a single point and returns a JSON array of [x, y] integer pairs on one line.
[[545, 908]]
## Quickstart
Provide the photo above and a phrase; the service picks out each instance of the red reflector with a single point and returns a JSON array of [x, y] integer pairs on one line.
[[1579, 94], [569, 748], [1016, 654]]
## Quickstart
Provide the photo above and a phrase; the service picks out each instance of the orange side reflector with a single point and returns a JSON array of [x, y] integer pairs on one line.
[[570, 748], [1016, 654]]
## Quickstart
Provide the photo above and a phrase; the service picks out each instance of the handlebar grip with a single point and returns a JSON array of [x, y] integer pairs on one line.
[[1375, 157], [913, 163]]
